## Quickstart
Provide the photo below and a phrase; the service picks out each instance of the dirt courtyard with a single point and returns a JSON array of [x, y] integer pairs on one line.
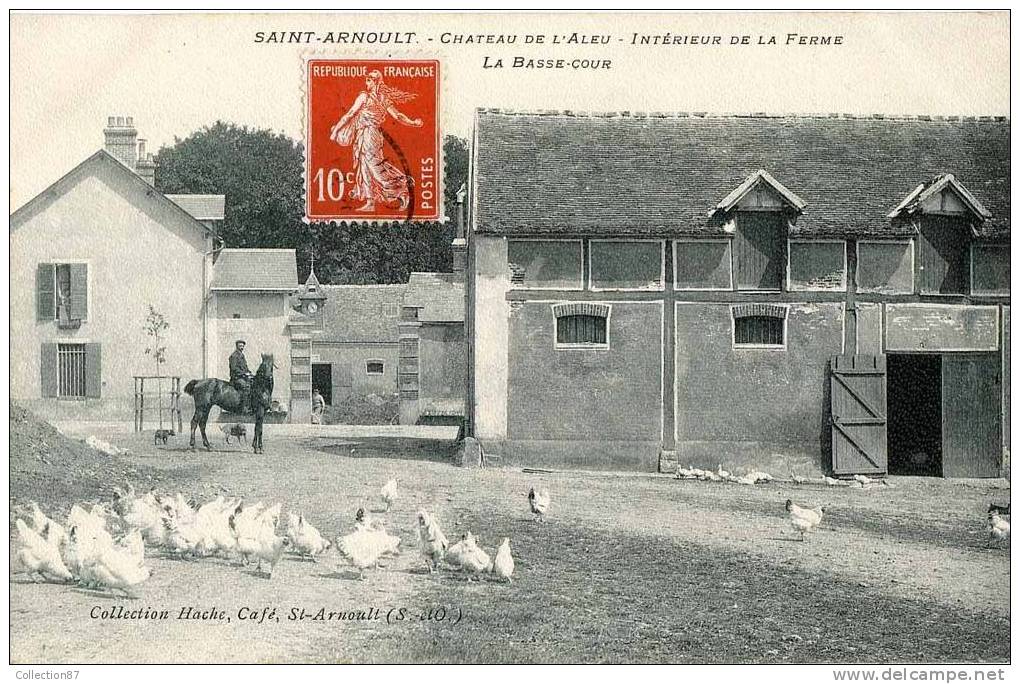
[[628, 568]]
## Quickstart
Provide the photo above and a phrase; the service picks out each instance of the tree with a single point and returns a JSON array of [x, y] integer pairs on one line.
[[155, 327], [455, 166], [260, 173]]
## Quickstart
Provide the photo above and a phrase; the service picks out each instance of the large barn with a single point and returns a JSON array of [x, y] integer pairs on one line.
[[797, 294]]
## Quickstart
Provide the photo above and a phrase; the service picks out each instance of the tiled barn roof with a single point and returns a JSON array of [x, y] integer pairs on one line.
[[440, 296], [201, 207], [625, 174], [361, 313], [257, 270]]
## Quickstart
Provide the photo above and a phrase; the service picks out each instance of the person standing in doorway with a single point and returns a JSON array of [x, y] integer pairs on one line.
[[318, 407]]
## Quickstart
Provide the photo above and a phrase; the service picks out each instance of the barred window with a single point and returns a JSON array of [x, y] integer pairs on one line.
[[582, 325], [71, 371], [581, 330], [375, 367], [759, 325]]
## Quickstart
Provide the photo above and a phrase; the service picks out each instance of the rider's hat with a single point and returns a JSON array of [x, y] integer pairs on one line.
[[240, 342]]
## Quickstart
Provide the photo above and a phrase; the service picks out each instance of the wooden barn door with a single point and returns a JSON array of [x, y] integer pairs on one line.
[[858, 412], [971, 415]]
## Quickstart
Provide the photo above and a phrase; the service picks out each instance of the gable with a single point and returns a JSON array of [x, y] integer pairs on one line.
[[126, 182], [945, 202], [946, 196], [98, 208], [761, 192]]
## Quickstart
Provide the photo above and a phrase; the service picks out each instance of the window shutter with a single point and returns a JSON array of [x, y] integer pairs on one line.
[[49, 366], [45, 292], [93, 370], [79, 292]]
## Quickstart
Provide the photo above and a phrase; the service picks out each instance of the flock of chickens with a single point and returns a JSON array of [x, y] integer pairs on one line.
[[804, 520], [105, 547]]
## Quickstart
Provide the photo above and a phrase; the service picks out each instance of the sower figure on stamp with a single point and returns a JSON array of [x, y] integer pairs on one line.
[[240, 376], [376, 179]]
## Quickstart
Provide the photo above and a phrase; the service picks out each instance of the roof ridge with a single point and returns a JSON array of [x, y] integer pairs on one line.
[[258, 249], [627, 114], [379, 285], [194, 194]]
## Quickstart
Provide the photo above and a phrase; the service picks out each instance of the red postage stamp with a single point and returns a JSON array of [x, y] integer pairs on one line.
[[372, 140]]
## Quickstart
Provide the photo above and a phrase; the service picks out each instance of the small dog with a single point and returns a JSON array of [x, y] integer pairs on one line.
[[162, 435], [235, 430]]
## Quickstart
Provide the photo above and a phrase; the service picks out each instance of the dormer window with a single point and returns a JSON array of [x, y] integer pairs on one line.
[[760, 208], [945, 214]]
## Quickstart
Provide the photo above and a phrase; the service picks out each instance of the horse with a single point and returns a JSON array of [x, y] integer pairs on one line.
[[210, 392]]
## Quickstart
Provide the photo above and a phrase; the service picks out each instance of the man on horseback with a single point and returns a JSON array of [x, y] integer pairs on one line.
[[240, 376]]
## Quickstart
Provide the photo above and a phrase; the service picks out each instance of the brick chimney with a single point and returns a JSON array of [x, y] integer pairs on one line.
[[121, 139], [460, 242], [146, 165]]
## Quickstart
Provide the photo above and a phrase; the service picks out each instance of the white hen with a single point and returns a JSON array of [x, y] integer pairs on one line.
[[431, 540], [116, 569], [539, 501], [369, 542], [389, 493], [503, 563], [468, 556], [43, 524], [38, 555], [803, 520], [269, 547], [304, 537]]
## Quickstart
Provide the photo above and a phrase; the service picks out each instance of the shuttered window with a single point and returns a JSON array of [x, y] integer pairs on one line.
[[62, 293], [71, 370], [45, 292]]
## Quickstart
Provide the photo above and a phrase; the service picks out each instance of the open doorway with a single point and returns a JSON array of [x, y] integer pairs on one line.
[[914, 405], [322, 380]]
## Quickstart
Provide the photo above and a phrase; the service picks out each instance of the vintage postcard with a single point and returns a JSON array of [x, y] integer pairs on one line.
[[511, 338]]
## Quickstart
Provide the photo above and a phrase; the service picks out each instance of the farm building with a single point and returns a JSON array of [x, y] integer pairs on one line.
[[88, 256], [250, 300], [354, 335], [381, 339], [433, 357], [93, 251], [788, 293]]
